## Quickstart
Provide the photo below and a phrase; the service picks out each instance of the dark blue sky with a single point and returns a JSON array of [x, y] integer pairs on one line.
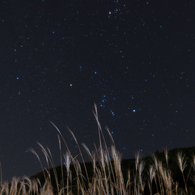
[[134, 59]]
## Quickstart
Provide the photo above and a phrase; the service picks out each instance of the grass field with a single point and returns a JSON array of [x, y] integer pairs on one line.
[[105, 175]]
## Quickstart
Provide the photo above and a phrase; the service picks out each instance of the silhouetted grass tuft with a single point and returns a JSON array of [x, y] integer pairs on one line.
[[105, 175]]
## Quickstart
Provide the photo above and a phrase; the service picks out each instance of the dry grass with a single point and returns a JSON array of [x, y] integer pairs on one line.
[[107, 177]]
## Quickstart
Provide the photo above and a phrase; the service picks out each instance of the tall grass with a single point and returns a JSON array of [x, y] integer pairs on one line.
[[107, 177]]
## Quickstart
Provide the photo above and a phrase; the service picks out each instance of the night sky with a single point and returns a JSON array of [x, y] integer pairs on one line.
[[135, 59]]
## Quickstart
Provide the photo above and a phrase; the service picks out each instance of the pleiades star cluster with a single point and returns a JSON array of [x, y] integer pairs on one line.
[[134, 59]]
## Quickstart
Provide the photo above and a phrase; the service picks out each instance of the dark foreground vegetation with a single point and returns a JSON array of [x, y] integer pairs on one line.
[[170, 172]]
